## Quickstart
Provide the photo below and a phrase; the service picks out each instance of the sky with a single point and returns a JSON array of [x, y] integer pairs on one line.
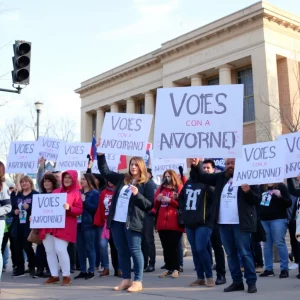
[[74, 40]]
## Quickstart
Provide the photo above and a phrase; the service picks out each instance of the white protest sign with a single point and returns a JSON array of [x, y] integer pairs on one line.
[[125, 134], [48, 148], [48, 211], [199, 121], [160, 165], [73, 156], [22, 158], [261, 163], [112, 160], [292, 154]]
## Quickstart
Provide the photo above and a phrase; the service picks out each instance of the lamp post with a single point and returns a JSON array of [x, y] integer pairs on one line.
[[38, 106]]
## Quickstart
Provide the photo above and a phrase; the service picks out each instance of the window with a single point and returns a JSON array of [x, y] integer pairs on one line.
[[245, 77], [214, 81], [141, 106]]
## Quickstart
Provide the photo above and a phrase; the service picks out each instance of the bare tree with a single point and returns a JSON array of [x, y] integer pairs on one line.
[[64, 129]]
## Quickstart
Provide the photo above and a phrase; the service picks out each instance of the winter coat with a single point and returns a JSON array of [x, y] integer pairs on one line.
[[104, 204]]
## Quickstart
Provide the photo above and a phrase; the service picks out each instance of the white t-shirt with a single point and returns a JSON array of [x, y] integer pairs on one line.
[[228, 213], [122, 204]]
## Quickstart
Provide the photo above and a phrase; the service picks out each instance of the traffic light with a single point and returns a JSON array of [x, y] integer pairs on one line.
[[21, 62]]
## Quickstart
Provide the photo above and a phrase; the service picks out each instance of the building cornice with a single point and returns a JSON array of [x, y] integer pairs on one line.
[[258, 11]]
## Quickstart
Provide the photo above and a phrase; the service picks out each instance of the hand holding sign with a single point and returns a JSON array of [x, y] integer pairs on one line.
[[17, 211], [25, 206], [195, 161], [134, 190], [245, 188], [66, 206], [277, 193], [41, 161]]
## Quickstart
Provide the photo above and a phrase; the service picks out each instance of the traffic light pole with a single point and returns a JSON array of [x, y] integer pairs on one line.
[[18, 90]]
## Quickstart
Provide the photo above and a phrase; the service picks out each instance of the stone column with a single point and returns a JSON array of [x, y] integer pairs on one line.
[[225, 74], [196, 80], [266, 94], [99, 121], [130, 105], [114, 108], [150, 109], [86, 126]]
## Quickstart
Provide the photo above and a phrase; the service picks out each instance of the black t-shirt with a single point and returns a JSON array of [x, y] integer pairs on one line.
[[273, 207]]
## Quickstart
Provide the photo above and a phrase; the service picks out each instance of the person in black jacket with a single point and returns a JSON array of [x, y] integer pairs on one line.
[[237, 219], [198, 214], [273, 214], [133, 197]]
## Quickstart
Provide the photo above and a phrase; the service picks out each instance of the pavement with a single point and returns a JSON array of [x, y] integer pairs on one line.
[[155, 288]]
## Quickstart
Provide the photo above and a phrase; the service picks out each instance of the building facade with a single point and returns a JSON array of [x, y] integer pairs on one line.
[[258, 46]]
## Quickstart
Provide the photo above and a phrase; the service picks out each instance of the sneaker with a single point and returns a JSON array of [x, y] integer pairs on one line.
[[32, 272], [252, 288], [235, 286], [135, 287], [165, 274], [89, 275], [267, 273], [52, 280], [66, 280], [80, 275], [210, 282], [293, 266], [259, 269], [284, 274], [197, 282], [163, 267], [220, 280], [175, 274], [105, 272], [181, 269], [18, 274], [124, 285]]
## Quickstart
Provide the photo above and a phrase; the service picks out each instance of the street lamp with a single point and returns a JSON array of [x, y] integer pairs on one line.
[[38, 106]]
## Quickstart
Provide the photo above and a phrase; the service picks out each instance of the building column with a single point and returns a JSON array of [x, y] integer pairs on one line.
[[99, 121], [114, 108], [225, 74], [86, 126], [196, 80], [130, 105], [150, 109], [266, 94]]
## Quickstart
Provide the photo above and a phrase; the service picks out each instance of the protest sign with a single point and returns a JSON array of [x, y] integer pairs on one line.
[[48, 211], [22, 158], [73, 156], [199, 121], [292, 154], [125, 134], [48, 148], [261, 163], [112, 160], [219, 163], [160, 165]]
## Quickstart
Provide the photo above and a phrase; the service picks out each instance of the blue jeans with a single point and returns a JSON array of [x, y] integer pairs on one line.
[[237, 242], [128, 244], [5, 256], [103, 243], [180, 253], [275, 232], [97, 246], [86, 248], [199, 238]]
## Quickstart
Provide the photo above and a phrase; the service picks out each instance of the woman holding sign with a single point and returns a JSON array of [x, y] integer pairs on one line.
[[5, 208], [132, 197], [56, 240]]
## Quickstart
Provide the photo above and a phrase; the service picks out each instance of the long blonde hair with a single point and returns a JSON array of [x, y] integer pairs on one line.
[[143, 171]]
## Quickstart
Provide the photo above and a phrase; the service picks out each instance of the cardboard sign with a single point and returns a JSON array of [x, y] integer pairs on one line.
[[261, 163], [48, 148], [22, 158], [112, 160], [160, 165], [199, 121], [125, 134], [48, 211], [73, 156], [292, 154]]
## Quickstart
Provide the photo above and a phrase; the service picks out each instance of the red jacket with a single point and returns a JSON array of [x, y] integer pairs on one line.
[[103, 207], [167, 218], [74, 200]]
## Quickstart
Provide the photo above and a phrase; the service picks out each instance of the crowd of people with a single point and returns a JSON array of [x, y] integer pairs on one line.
[[124, 210]]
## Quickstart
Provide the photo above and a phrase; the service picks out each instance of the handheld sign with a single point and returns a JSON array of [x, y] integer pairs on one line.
[[73, 156], [125, 134], [22, 158], [48, 211], [292, 154], [261, 163], [199, 121], [112, 160], [160, 165], [48, 148]]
